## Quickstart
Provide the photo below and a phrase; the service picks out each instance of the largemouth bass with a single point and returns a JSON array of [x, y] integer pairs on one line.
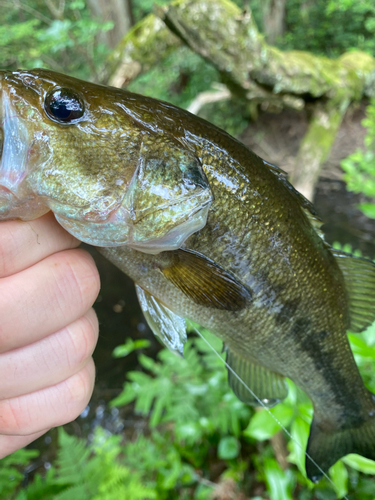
[[208, 231]]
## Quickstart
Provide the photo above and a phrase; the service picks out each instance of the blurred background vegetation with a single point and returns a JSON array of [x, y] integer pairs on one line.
[[175, 430]]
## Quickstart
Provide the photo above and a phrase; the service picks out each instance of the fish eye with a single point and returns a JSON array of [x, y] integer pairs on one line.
[[63, 105]]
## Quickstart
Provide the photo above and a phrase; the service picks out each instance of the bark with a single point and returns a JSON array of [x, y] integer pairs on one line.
[[117, 11], [316, 144], [252, 69], [274, 19], [146, 44], [219, 32], [220, 94]]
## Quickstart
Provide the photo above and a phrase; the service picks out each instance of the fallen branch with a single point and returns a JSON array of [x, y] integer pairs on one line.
[[221, 94]]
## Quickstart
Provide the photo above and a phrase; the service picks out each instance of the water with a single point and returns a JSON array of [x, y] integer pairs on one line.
[[343, 221]]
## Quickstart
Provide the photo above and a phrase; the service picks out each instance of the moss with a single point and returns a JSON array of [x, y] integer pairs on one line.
[[317, 143], [148, 42], [222, 34], [218, 31]]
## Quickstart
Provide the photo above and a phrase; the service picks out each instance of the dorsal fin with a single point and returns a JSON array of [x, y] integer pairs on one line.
[[359, 275]]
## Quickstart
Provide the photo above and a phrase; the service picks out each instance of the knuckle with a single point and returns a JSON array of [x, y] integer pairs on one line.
[[85, 274], [83, 336], [80, 387], [13, 419], [76, 278], [8, 242]]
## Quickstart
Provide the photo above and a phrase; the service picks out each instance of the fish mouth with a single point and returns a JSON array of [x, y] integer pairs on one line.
[[1, 142], [16, 202]]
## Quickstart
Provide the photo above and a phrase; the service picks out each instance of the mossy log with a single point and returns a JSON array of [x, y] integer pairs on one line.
[[145, 45], [252, 69]]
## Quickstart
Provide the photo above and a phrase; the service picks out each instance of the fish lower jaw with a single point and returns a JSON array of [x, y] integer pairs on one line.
[[119, 230], [25, 208]]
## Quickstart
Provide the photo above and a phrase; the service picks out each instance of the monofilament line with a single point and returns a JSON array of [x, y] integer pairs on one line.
[[267, 409]]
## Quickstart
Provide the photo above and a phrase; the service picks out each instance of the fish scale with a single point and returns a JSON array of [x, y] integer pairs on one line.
[[208, 231]]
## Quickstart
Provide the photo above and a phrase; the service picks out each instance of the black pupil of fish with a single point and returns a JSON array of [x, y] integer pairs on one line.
[[64, 106]]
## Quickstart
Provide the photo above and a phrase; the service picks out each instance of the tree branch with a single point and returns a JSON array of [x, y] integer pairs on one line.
[[252, 69], [146, 44]]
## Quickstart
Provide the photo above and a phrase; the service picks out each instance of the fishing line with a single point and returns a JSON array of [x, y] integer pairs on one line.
[[267, 409]]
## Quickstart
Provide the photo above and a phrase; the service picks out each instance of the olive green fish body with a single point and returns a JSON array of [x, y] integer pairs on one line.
[[208, 231]]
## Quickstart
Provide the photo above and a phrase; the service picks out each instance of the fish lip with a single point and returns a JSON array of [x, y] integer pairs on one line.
[[1, 143], [16, 201], [14, 146], [2, 74]]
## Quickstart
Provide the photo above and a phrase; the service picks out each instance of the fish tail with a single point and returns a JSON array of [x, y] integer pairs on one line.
[[328, 444]]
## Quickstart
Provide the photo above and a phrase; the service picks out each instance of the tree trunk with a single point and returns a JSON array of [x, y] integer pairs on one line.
[[146, 44], [259, 72], [117, 11], [274, 19]]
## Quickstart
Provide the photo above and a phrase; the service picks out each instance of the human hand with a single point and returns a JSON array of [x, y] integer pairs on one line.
[[48, 329]]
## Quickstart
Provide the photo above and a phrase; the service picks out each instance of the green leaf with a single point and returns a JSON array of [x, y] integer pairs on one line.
[[339, 477], [360, 348], [279, 482], [10, 470], [127, 395], [263, 424], [229, 447], [360, 463], [368, 209], [297, 445], [129, 346]]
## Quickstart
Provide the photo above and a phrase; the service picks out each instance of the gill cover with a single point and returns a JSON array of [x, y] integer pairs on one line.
[[167, 200]]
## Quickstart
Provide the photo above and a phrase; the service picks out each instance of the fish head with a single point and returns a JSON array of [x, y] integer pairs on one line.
[[91, 155]]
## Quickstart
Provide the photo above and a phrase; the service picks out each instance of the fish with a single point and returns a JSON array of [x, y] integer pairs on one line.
[[208, 231]]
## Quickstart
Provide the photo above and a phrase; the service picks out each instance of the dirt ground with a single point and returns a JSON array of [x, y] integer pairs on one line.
[[276, 137]]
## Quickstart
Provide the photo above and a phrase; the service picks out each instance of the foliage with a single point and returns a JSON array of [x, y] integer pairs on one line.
[[10, 475], [181, 77], [87, 473], [32, 36], [196, 426], [359, 167], [188, 392], [330, 27], [142, 8]]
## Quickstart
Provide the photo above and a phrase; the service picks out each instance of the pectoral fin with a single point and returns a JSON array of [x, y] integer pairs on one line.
[[205, 282], [359, 275], [165, 324], [266, 385]]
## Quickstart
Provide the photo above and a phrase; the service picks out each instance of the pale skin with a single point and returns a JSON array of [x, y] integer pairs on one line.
[[48, 329]]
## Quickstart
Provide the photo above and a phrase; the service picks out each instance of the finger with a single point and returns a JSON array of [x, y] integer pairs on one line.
[[50, 407], [46, 297], [23, 244], [10, 444], [49, 361]]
